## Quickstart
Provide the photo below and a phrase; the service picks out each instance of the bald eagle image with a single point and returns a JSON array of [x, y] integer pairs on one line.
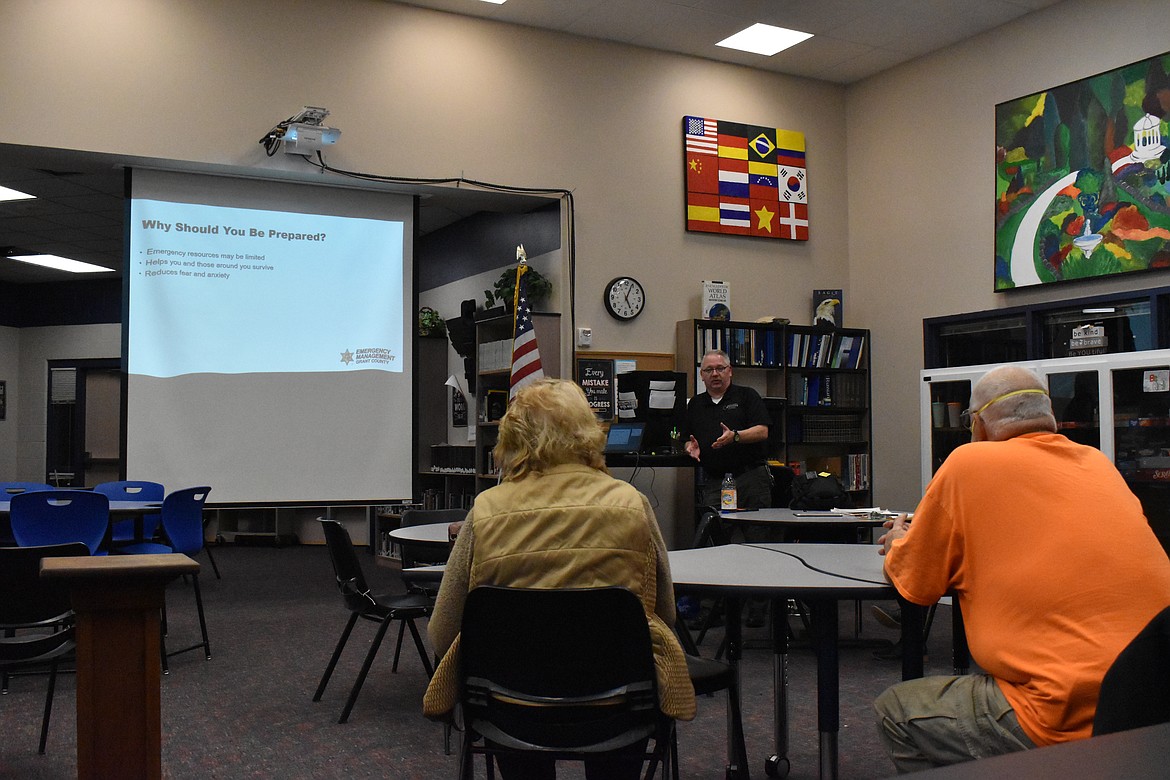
[[826, 313]]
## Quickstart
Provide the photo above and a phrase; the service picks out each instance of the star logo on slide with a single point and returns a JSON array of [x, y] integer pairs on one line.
[[347, 357]]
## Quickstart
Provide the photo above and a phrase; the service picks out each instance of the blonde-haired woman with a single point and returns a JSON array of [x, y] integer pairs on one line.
[[558, 520]]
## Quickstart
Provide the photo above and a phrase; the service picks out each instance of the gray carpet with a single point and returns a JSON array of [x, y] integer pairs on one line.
[[273, 621]]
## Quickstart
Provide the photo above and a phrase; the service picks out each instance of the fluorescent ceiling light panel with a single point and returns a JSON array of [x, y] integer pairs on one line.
[[60, 263], [764, 39], [7, 194], [497, 2]]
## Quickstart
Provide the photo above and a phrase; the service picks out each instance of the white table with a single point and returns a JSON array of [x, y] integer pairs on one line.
[[431, 533], [820, 575]]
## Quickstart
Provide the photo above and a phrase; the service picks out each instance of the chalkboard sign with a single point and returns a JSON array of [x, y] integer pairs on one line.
[[596, 379], [458, 409]]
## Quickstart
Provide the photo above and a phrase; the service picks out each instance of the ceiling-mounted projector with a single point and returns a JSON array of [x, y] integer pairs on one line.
[[301, 138], [301, 133]]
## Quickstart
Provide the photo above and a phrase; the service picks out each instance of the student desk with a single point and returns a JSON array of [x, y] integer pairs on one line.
[[821, 575]]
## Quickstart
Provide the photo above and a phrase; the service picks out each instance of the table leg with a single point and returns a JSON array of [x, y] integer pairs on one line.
[[960, 653], [913, 642], [824, 637], [733, 607], [778, 764]]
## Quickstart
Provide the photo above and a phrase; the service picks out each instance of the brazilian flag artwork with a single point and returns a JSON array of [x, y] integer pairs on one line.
[[745, 180]]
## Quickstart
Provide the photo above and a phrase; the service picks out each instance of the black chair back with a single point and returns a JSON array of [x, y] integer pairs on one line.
[[36, 618], [1136, 690], [558, 670], [25, 597], [351, 581]]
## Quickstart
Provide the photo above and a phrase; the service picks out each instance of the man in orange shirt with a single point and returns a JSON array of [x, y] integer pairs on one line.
[[1054, 566]]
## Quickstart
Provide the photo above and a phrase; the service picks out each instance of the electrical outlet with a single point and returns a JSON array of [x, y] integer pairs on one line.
[[584, 337]]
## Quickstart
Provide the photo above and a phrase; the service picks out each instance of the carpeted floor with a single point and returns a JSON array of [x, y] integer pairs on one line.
[[273, 621]]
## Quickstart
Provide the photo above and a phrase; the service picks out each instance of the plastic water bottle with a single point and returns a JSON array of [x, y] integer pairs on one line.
[[728, 501]]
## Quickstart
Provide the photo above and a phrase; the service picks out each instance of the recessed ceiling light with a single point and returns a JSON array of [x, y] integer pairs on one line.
[[7, 194], [60, 263], [764, 39], [497, 2]]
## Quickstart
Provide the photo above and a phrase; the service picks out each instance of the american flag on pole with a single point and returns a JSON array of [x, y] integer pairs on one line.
[[526, 367]]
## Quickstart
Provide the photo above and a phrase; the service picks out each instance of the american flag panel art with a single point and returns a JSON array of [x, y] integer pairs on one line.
[[745, 180]]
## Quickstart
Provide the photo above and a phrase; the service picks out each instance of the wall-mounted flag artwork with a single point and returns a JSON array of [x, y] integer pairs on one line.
[[745, 180]]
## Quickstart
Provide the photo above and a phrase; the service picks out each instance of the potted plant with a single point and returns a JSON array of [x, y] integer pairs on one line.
[[430, 324], [504, 290]]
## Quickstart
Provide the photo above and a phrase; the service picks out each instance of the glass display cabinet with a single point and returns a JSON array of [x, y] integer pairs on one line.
[[1119, 403]]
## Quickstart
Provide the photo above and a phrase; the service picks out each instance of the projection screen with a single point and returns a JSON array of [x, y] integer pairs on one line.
[[268, 339]]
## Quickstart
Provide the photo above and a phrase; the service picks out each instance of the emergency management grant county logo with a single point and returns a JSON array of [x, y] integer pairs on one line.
[[368, 356], [745, 179]]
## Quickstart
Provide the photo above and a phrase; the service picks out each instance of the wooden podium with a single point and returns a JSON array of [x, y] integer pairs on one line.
[[118, 601]]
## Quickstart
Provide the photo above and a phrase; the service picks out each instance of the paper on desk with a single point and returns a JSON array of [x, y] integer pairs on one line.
[[627, 405], [867, 511]]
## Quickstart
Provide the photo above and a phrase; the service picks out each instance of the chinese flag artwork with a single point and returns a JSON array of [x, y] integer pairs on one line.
[[745, 179]]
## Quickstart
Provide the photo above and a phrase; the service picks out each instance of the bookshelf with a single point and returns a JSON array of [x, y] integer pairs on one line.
[[814, 381]]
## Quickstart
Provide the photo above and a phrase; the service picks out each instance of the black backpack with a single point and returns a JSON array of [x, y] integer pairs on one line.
[[820, 492]]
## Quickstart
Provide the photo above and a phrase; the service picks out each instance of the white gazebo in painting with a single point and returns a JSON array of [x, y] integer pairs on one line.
[[1147, 138]]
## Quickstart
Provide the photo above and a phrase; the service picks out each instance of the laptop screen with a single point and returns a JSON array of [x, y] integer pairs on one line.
[[625, 437]]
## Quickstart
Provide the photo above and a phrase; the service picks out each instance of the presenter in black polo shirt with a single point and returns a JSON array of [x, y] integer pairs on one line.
[[727, 432]]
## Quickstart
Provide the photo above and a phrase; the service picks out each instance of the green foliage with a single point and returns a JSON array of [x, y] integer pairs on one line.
[[430, 323], [504, 290]]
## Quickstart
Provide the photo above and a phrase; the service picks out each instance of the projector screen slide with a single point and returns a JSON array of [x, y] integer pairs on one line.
[[268, 341]]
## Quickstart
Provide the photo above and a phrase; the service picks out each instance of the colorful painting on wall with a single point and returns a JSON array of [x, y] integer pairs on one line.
[[1081, 178], [745, 179]]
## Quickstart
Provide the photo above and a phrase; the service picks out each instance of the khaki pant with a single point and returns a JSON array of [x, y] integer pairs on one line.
[[935, 721]]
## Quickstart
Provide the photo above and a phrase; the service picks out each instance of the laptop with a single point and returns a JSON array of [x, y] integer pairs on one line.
[[625, 437]]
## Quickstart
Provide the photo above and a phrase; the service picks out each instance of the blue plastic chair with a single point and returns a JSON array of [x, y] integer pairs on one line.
[[44, 517], [182, 527], [122, 531], [7, 491]]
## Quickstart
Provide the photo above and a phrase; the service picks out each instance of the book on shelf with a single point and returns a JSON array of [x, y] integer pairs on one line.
[[829, 349], [716, 301], [828, 308]]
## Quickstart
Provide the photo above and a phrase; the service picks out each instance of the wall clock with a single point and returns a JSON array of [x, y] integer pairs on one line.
[[625, 298]]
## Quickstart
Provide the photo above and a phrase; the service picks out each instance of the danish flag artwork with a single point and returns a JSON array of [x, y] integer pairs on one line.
[[745, 179], [526, 366]]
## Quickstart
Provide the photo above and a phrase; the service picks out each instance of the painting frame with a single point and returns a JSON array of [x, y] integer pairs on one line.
[[1081, 174]]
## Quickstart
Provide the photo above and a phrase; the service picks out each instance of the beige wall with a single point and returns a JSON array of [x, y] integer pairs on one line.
[[899, 166], [922, 189]]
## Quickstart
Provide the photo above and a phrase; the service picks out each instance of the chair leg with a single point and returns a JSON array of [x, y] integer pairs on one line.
[[398, 645], [422, 650], [466, 759], [48, 709], [353, 619], [357, 686], [202, 620], [211, 560]]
